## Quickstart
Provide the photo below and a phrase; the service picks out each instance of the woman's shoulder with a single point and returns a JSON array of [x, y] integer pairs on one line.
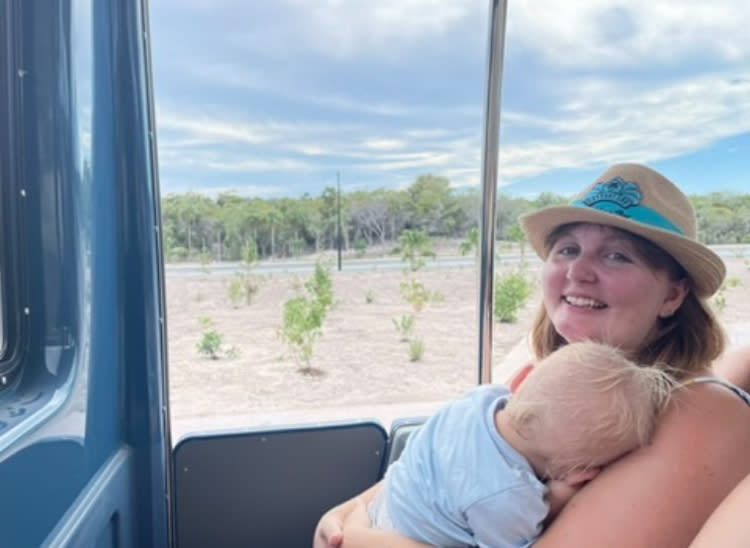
[[709, 412], [718, 381]]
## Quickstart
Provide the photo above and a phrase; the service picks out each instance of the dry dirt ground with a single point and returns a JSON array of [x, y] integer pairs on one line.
[[366, 370]]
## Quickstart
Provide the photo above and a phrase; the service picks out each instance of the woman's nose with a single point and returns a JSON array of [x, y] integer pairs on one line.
[[581, 269]]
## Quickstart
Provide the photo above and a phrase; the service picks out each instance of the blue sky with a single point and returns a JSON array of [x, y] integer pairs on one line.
[[273, 98]]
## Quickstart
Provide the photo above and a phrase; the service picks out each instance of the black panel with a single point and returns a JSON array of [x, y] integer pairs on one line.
[[268, 488]]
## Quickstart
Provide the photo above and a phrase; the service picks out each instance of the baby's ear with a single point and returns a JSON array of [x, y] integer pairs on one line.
[[519, 377], [578, 478]]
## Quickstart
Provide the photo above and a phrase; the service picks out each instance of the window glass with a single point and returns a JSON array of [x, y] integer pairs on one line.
[[293, 128], [8, 207], [290, 130], [44, 168]]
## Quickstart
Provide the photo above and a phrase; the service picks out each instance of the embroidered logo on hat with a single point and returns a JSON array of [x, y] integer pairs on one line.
[[617, 191], [623, 198]]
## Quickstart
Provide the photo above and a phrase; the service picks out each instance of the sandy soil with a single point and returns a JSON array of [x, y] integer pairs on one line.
[[366, 370]]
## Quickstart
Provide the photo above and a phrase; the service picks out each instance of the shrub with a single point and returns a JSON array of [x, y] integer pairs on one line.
[[416, 350], [320, 285], [471, 243], [303, 320], [246, 284], [511, 292], [304, 316], [405, 326], [415, 294], [236, 292], [210, 343], [415, 245]]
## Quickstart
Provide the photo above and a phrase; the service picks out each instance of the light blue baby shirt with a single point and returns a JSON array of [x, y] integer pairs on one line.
[[458, 483]]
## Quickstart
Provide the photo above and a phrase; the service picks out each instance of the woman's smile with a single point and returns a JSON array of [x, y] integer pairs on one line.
[[583, 302]]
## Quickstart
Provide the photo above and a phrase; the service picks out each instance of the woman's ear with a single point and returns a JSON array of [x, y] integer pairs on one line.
[[519, 377], [674, 299]]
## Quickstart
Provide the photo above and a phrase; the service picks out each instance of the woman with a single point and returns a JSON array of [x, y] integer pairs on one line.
[[622, 266]]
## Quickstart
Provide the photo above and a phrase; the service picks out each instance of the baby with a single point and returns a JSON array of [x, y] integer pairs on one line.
[[491, 469]]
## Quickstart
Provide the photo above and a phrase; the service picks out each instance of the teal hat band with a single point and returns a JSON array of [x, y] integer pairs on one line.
[[623, 198]]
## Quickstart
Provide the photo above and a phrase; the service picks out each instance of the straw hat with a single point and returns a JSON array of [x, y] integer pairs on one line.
[[640, 200]]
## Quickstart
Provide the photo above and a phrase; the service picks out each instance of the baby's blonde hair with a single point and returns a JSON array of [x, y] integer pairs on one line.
[[605, 404]]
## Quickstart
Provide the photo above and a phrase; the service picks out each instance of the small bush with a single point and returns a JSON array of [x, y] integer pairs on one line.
[[415, 245], [405, 326], [471, 243], [304, 316], [415, 294], [320, 285], [303, 319], [236, 292], [210, 343], [512, 290], [370, 296], [245, 284], [416, 350]]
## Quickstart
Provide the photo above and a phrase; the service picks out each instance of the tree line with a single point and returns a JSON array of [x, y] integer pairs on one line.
[[198, 227]]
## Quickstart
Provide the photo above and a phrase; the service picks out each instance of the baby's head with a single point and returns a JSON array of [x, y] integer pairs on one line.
[[585, 405]]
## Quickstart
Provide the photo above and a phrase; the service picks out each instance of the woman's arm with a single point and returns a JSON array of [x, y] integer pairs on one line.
[[662, 494], [728, 526], [734, 366]]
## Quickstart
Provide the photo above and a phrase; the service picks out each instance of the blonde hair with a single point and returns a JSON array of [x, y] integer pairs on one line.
[[689, 340], [602, 403]]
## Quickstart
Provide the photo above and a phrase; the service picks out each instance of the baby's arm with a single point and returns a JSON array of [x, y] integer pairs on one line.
[[329, 531], [359, 534], [367, 537]]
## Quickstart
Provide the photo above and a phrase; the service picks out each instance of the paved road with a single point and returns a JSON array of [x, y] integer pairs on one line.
[[358, 265]]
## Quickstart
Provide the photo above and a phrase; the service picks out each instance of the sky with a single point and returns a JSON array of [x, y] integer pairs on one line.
[[287, 97]]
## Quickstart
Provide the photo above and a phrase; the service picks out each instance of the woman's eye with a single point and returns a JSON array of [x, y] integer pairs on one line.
[[619, 257]]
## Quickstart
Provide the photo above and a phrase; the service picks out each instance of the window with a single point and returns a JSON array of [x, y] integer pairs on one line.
[[44, 108]]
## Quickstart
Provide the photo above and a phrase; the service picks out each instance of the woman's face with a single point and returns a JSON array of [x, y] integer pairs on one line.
[[598, 286]]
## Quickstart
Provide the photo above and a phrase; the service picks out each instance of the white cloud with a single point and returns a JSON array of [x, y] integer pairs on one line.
[[344, 28], [383, 144], [610, 34], [644, 80], [608, 122]]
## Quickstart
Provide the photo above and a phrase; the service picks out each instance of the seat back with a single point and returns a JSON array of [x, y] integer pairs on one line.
[[270, 487]]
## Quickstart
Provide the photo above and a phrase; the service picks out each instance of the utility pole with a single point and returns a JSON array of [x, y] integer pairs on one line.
[[338, 215]]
